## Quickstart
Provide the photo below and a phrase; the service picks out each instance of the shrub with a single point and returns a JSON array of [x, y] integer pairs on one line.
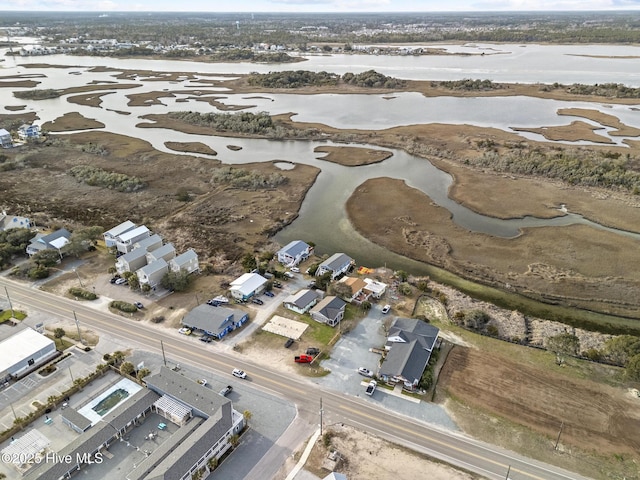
[[82, 293], [123, 306], [158, 319], [101, 178]]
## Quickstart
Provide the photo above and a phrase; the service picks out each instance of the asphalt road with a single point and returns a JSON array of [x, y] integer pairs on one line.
[[487, 460]]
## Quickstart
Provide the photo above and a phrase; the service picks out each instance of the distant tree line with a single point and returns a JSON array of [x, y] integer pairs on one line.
[[303, 78], [612, 90], [468, 85], [244, 122], [248, 55], [583, 167]]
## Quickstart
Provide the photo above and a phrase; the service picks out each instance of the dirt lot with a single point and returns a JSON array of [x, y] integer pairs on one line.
[[367, 457]]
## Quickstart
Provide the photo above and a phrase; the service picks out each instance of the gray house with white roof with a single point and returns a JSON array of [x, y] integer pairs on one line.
[[126, 240], [52, 241], [409, 346], [111, 236]]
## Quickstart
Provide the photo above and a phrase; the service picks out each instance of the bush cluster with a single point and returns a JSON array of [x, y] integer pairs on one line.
[[468, 84], [82, 293], [293, 79], [240, 178], [584, 167], [98, 177], [123, 306], [372, 79], [244, 122], [38, 94]]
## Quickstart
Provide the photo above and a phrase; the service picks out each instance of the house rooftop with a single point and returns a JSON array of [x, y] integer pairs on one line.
[[131, 234], [154, 267], [120, 229], [294, 248], [302, 298], [185, 257], [210, 319], [337, 260]]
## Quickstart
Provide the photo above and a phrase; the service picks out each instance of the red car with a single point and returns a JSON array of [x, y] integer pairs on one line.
[[303, 359]]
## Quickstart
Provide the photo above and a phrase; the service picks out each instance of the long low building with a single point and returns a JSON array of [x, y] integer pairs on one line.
[[23, 351], [215, 321]]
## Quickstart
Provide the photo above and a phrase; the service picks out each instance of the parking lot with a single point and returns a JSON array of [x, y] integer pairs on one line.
[[353, 350]]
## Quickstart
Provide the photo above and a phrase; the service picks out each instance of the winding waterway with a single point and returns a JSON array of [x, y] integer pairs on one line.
[[322, 216]]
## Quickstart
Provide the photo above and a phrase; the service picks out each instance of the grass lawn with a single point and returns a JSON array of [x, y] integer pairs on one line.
[[17, 314]]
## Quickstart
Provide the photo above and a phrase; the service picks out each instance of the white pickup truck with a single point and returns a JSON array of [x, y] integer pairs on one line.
[[371, 387]]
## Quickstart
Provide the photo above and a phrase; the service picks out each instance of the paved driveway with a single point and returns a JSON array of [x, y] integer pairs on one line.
[[353, 351]]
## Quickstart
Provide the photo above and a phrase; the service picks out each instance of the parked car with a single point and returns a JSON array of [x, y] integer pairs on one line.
[[206, 339], [113, 279], [371, 387], [138, 305], [289, 274], [213, 303], [277, 284], [120, 281], [386, 309], [202, 382], [312, 351], [365, 372], [269, 294], [288, 343], [226, 390], [257, 301], [238, 373], [185, 331], [295, 269], [303, 359]]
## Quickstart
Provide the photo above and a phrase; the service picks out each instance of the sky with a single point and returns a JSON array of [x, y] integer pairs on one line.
[[304, 6]]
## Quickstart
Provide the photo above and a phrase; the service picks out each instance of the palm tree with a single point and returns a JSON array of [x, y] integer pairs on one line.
[[58, 333], [247, 416]]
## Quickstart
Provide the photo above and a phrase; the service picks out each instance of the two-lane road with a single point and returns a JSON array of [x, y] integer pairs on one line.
[[457, 449]]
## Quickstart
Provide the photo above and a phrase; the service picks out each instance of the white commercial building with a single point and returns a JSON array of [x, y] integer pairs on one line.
[[23, 351]]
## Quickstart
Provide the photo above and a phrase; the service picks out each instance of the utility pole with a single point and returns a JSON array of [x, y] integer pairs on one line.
[[321, 411], [78, 275], [508, 471], [10, 305], [163, 356], [71, 375], [559, 433], [78, 327]]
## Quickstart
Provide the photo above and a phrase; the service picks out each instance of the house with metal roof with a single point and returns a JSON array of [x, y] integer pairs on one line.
[[329, 310], [375, 288], [215, 321], [409, 346], [357, 289], [166, 251], [25, 131], [5, 139], [152, 273], [7, 222], [132, 261], [247, 285], [185, 262], [302, 301], [111, 236], [51, 241], [149, 244], [336, 264], [126, 240], [293, 253]]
